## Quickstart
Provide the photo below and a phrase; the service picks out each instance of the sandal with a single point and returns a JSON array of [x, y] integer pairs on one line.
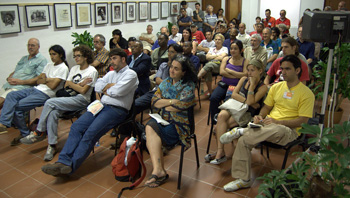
[[158, 181], [209, 157]]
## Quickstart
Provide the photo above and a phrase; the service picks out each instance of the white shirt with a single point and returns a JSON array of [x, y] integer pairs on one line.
[[213, 51], [176, 38], [53, 71], [76, 75], [245, 38]]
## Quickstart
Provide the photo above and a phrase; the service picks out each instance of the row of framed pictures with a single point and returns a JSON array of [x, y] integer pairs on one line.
[[39, 15]]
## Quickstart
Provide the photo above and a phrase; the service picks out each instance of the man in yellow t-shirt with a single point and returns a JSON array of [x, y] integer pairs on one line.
[[288, 104]]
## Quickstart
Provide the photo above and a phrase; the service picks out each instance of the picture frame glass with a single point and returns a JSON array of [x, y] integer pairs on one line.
[[130, 11], [83, 12], [10, 21], [174, 8], [38, 15], [101, 13], [63, 15], [165, 9], [143, 10], [154, 10], [117, 12]]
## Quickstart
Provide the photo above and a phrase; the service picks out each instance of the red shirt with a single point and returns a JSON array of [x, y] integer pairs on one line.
[[275, 70], [270, 23], [255, 32], [285, 21], [198, 36]]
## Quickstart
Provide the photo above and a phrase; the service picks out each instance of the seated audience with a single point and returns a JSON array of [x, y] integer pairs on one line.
[[196, 35], [198, 17], [257, 21], [163, 30], [118, 88], [141, 64], [80, 82], [184, 21], [305, 48], [144, 102], [214, 56], [223, 30], [187, 36], [217, 26], [160, 54], [289, 47], [210, 19], [118, 41], [175, 35], [270, 46], [101, 55], [204, 46], [255, 51], [287, 105], [172, 98], [21, 78], [148, 40], [187, 48], [232, 68], [259, 29], [18, 102], [249, 90], [131, 42], [243, 36], [276, 36], [233, 37]]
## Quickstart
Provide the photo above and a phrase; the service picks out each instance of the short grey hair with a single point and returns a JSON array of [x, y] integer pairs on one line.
[[176, 27], [102, 38], [150, 26], [269, 29], [209, 6], [257, 36], [283, 26]]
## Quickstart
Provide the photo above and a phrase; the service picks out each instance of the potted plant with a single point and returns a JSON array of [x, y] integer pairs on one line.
[[342, 53], [315, 175], [84, 38]]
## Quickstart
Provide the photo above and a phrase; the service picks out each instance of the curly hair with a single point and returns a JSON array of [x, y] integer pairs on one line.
[[85, 52], [187, 67]]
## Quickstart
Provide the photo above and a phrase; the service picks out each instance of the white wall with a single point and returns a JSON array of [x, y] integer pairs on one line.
[[294, 10], [13, 46]]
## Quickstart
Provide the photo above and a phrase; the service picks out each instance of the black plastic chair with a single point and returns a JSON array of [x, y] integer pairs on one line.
[[192, 136], [299, 141]]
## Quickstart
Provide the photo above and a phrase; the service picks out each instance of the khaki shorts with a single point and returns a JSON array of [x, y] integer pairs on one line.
[[3, 92]]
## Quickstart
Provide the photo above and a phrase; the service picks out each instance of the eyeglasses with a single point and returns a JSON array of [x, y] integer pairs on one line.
[[77, 56]]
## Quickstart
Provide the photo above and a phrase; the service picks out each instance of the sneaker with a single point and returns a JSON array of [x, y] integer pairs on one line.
[[16, 141], [3, 130], [33, 137], [228, 137], [219, 161], [56, 169], [209, 157], [237, 184], [50, 153]]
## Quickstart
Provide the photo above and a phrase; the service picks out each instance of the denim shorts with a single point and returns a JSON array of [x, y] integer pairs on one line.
[[167, 134]]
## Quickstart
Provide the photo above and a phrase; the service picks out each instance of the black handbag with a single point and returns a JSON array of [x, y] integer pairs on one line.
[[223, 84], [66, 92]]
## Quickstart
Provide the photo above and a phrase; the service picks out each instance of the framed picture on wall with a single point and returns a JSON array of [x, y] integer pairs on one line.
[[38, 15], [63, 15], [9, 22], [154, 10], [117, 12], [143, 10], [165, 9], [174, 8], [83, 11], [101, 13], [130, 11]]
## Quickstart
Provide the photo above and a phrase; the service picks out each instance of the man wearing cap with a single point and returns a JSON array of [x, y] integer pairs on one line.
[[223, 31], [196, 35]]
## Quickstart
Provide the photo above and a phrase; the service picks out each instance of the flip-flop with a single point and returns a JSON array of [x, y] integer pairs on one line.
[[158, 181]]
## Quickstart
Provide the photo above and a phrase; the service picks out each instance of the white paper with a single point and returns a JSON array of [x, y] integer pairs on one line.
[[159, 119]]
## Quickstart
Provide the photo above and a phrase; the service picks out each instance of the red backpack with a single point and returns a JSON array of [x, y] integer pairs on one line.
[[133, 170]]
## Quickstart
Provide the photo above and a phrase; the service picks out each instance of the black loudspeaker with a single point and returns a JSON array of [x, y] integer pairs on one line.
[[326, 26]]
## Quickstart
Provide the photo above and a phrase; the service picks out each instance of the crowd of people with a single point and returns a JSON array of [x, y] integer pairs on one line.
[[266, 69]]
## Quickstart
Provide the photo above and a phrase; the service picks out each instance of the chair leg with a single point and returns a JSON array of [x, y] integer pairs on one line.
[[196, 148], [267, 152], [141, 117], [210, 134], [208, 117], [262, 149], [285, 159], [180, 167]]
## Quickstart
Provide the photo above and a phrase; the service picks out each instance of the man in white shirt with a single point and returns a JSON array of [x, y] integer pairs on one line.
[[204, 46], [148, 39], [243, 36], [175, 35]]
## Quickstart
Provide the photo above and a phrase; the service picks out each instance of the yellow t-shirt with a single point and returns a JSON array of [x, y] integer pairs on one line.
[[291, 103]]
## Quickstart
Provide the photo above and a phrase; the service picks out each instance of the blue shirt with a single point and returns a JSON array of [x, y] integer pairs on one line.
[[211, 19], [227, 43], [307, 49], [27, 69], [156, 45], [122, 93], [195, 60], [271, 48], [184, 20], [131, 65]]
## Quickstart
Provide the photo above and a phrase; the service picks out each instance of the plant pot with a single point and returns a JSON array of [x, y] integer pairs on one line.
[[336, 119]]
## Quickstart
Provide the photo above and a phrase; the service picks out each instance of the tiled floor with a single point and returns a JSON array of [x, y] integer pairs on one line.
[[20, 174]]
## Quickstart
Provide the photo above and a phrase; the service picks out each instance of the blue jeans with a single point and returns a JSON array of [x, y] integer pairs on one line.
[[143, 102], [52, 110], [216, 97], [85, 132], [19, 102]]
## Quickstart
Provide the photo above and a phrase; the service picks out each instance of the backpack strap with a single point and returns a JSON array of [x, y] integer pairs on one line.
[[144, 171]]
